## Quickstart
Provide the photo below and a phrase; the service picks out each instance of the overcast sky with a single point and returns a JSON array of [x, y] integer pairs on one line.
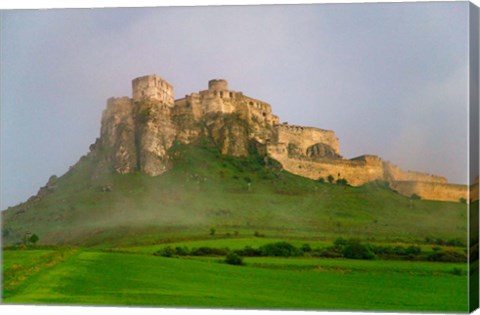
[[389, 79]]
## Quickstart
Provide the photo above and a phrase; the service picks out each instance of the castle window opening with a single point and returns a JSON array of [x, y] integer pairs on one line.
[[264, 114], [251, 103], [221, 94], [231, 94]]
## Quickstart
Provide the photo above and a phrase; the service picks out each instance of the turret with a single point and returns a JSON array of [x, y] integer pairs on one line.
[[218, 85], [152, 87]]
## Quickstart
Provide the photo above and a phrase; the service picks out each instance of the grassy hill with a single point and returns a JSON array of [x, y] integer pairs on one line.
[[206, 191]]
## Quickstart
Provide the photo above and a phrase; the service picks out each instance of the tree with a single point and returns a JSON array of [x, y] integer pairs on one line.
[[234, 259], [415, 197], [355, 250], [213, 231], [33, 239], [330, 179]]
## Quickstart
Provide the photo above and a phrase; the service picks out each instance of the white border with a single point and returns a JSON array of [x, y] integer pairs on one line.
[[70, 310]]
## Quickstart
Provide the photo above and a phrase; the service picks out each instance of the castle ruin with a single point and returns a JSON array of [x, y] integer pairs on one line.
[[140, 130]]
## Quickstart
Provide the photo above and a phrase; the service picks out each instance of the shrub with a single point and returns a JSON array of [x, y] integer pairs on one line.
[[33, 239], [330, 179], [258, 234], [329, 252], [342, 181], [165, 252], [447, 256], [212, 231], [209, 251], [321, 180], [306, 248], [182, 251], [355, 250], [280, 249], [456, 242], [415, 197], [248, 251], [233, 259]]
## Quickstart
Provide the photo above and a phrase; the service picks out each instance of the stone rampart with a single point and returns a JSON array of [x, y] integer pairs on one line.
[[394, 173], [356, 172], [431, 190], [304, 137]]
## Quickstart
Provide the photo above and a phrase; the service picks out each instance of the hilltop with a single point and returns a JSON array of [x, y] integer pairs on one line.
[[172, 169]]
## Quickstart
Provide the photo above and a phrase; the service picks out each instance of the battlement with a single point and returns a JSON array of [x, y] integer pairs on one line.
[[152, 87]]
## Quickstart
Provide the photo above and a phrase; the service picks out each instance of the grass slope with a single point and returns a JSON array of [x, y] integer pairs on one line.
[[234, 195], [99, 278]]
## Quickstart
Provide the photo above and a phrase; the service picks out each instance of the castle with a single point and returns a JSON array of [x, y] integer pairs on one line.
[[137, 132]]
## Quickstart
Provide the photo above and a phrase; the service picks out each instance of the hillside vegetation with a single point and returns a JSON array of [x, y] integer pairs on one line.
[[239, 197]]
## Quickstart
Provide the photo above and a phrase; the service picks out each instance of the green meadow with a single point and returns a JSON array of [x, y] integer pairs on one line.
[[88, 277]]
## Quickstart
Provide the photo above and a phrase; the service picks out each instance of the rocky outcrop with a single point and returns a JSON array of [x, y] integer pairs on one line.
[[154, 135], [117, 135]]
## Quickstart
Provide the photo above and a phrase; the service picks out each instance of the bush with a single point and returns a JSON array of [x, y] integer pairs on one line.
[[209, 251], [33, 239], [321, 180], [280, 249], [233, 259], [182, 251], [258, 234], [330, 179], [355, 250], [165, 252], [306, 248], [415, 197], [329, 252], [447, 256], [248, 251], [342, 181]]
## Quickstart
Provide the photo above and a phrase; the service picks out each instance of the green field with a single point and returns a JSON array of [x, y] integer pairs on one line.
[[101, 278]]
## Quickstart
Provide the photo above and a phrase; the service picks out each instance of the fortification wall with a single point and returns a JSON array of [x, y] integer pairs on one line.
[[356, 172], [152, 87], [394, 173], [431, 190], [259, 111], [304, 137]]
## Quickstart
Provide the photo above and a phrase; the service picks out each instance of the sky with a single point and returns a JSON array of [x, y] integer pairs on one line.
[[389, 79]]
